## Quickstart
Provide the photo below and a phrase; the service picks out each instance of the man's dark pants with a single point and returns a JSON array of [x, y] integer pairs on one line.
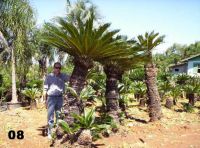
[[54, 103]]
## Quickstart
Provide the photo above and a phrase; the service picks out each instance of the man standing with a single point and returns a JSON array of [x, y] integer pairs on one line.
[[54, 87]]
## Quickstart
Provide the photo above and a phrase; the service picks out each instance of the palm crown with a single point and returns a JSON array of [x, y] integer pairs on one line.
[[84, 40], [149, 41]]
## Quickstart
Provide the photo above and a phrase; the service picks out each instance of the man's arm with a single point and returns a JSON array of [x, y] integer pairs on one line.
[[67, 78], [46, 86]]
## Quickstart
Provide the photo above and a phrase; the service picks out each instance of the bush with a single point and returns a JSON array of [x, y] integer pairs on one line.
[[32, 93], [188, 108], [35, 84]]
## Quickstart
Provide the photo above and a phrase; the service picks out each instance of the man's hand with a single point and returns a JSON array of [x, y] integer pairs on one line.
[[46, 105], [45, 98]]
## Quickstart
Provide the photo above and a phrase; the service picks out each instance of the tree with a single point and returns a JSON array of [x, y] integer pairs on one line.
[[115, 68], [16, 21], [81, 9], [86, 44], [148, 42]]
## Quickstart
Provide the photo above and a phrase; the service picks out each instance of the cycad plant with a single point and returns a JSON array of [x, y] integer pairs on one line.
[[192, 88], [175, 92], [84, 43], [114, 70], [85, 128], [140, 89], [148, 42], [33, 94]]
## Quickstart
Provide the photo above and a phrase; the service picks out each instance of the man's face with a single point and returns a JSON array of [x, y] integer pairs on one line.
[[57, 69]]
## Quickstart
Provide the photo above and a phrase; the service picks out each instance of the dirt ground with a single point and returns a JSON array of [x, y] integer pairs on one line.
[[176, 130]]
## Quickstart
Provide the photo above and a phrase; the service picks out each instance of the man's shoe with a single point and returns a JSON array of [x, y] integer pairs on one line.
[[49, 136]]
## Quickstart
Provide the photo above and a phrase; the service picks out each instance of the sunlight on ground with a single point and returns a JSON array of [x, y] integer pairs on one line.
[[175, 129]]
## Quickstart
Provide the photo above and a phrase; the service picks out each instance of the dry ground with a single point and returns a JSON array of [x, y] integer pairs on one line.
[[176, 129]]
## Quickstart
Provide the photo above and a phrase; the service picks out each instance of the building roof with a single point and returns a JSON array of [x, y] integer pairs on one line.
[[184, 61], [177, 64], [191, 57]]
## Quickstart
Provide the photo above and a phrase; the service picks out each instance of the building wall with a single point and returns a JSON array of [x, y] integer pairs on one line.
[[182, 69], [191, 70]]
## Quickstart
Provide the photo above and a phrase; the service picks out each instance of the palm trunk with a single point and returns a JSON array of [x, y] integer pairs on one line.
[[192, 98], [77, 82], [14, 89], [112, 93], [43, 66], [152, 92]]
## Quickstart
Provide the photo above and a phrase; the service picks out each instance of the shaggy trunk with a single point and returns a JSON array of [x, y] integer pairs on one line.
[[169, 103], [85, 138], [152, 92], [43, 66], [142, 102], [192, 98], [77, 82], [14, 89], [174, 101], [112, 93]]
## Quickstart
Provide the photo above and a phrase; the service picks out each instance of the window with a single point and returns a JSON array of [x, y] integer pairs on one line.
[[176, 70], [196, 67]]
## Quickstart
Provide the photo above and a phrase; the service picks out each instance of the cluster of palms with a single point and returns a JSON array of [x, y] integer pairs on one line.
[[88, 44], [86, 41], [178, 86]]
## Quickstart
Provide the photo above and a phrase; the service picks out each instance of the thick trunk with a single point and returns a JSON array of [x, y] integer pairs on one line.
[[174, 101], [43, 66], [77, 82], [152, 92], [14, 89], [169, 103], [112, 93], [142, 102], [192, 98]]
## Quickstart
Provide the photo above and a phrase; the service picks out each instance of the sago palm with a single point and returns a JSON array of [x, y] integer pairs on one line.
[[114, 69], [85, 44], [148, 42]]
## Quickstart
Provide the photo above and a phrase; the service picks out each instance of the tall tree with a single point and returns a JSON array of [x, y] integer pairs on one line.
[[85, 43], [148, 42], [114, 69], [81, 9], [16, 21]]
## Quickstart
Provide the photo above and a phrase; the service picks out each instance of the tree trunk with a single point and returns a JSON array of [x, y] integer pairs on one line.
[[77, 82], [192, 98], [169, 103], [142, 102], [154, 105], [14, 89], [174, 101], [112, 93], [43, 66]]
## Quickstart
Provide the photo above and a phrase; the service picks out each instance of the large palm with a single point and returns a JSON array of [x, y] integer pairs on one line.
[[148, 42], [115, 68], [85, 43]]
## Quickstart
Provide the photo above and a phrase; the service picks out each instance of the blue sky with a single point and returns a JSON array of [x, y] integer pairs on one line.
[[179, 20]]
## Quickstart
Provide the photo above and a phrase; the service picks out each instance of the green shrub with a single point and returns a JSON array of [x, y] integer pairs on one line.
[[35, 84], [32, 93], [188, 108]]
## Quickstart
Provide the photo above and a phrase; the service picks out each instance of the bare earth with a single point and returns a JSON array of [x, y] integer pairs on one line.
[[176, 129]]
